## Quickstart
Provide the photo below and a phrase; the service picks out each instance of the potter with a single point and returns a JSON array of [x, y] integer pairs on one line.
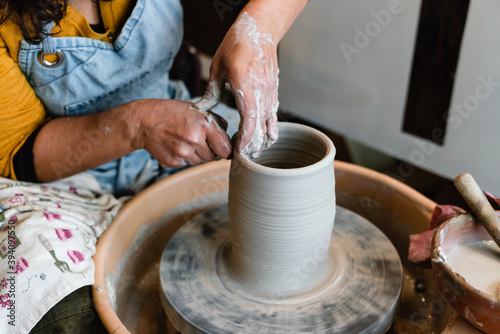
[[97, 91]]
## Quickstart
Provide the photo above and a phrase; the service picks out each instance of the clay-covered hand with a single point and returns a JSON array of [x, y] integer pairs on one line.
[[176, 134], [247, 60]]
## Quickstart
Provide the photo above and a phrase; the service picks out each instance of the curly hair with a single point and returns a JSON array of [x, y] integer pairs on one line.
[[32, 15]]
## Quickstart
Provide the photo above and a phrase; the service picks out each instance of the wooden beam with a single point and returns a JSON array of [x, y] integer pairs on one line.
[[435, 60]]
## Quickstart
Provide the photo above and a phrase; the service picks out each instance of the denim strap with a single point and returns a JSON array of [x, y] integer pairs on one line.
[[48, 44]]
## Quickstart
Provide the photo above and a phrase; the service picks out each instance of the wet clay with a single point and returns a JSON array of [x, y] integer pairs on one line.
[[282, 210]]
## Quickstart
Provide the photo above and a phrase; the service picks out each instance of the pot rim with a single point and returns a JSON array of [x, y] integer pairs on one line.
[[326, 160]]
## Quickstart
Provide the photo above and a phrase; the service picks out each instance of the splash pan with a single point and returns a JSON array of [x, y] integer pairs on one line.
[[127, 288]]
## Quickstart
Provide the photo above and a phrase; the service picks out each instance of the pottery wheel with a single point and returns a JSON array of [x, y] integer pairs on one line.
[[360, 297]]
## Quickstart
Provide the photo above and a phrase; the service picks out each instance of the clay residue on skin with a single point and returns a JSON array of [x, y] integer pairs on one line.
[[264, 135], [247, 26], [210, 98], [262, 80]]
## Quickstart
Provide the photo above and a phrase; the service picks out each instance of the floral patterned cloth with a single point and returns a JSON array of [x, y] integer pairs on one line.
[[48, 234]]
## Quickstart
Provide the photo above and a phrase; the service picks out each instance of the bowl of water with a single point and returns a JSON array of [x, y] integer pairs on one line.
[[466, 269]]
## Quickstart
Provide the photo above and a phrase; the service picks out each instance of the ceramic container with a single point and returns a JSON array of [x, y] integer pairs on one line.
[[479, 308], [282, 209]]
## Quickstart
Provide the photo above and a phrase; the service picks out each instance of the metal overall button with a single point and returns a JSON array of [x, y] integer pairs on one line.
[[111, 35], [50, 64]]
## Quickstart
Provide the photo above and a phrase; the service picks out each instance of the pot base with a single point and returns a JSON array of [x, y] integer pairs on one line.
[[360, 295]]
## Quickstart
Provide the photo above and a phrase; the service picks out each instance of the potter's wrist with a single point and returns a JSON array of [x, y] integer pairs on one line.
[[274, 16], [131, 122], [263, 22]]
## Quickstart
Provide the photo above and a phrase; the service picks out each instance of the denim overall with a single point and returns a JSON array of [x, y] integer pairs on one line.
[[90, 76]]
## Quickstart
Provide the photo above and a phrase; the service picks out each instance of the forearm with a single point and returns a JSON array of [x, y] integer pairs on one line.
[[274, 16], [70, 145], [172, 131]]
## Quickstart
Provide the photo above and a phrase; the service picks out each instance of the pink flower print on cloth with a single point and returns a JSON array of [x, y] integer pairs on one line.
[[51, 216], [63, 234], [45, 188], [73, 190], [18, 198], [21, 265], [3, 283], [76, 256], [4, 302]]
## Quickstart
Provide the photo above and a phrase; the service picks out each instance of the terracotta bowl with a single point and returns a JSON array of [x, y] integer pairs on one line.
[[126, 290], [479, 308]]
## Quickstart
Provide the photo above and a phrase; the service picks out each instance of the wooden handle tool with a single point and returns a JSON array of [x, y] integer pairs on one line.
[[473, 195]]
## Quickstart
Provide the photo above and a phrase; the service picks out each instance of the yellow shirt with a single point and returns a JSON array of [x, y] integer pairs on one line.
[[21, 111]]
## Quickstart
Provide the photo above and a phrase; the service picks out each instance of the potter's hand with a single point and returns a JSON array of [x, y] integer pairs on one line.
[[176, 134], [247, 60]]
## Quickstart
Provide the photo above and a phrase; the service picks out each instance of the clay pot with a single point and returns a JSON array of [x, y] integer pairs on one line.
[[277, 236], [477, 307]]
